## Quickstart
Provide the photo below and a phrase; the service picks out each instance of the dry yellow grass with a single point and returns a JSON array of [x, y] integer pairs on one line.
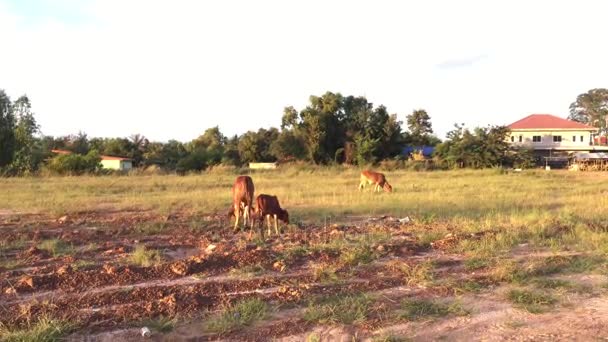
[[315, 193]]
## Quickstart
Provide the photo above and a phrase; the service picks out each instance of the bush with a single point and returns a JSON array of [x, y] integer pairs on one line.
[[75, 164]]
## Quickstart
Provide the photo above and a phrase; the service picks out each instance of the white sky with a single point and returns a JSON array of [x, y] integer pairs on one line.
[[171, 69]]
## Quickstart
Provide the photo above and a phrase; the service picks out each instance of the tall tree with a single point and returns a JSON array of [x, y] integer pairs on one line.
[[28, 154], [420, 127], [7, 133], [255, 146], [212, 142], [591, 108]]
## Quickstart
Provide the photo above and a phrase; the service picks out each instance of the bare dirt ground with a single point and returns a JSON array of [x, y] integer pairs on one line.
[[205, 266]]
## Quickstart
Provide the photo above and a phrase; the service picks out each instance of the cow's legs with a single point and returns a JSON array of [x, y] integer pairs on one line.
[[246, 217], [237, 214], [276, 224], [269, 225]]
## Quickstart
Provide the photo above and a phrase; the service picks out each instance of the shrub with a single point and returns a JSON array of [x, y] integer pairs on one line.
[[75, 164]]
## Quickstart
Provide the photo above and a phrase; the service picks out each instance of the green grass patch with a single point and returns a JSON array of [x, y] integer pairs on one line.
[[420, 274], [417, 309], [161, 324], [325, 273], [145, 257], [356, 255], [56, 247], [349, 309], [248, 270], [531, 301], [473, 264], [82, 264], [150, 228], [43, 330], [235, 316], [562, 285], [390, 338]]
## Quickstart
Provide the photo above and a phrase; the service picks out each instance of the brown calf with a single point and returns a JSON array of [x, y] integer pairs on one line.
[[267, 206], [242, 200], [376, 178]]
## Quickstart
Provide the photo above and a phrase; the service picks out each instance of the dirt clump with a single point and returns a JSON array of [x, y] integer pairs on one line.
[[181, 267], [64, 270]]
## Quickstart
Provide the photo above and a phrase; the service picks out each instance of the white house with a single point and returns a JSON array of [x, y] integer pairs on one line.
[[545, 132], [116, 163]]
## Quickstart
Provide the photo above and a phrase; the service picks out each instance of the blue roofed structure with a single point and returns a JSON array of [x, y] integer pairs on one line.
[[427, 151]]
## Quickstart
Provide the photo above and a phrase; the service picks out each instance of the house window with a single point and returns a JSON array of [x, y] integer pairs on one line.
[[536, 138], [512, 138], [520, 138], [574, 138], [582, 139], [557, 138]]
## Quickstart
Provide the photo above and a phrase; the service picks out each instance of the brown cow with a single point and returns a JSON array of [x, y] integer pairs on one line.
[[242, 200], [267, 206], [376, 178]]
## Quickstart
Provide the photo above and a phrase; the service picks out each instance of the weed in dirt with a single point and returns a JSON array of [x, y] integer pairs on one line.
[[248, 270], [420, 274], [563, 285], [324, 273], [10, 263], [91, 247], [83, 264], [56, 247], [145, 257], [9, 245], [43, 330], [390, 338], [357, 255], [425, 236], [473, 264], [347, 309], [238, 315], [150, 228], [416, 309], [466, 286], [293, 253], [313, 338], [161, 324], [531, 301]]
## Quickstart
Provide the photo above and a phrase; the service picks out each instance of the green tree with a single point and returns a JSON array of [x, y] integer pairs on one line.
[[481, 148], [255, 146], [288, 145], [591, 108], [419, 126], [212, 143], [231, 152], [28, 153], [7, 133]]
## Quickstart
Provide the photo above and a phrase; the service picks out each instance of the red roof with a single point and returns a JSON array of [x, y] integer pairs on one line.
[[113, 158], [548, 121]]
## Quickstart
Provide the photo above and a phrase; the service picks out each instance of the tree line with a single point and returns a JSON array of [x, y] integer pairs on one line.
[[330, 129]]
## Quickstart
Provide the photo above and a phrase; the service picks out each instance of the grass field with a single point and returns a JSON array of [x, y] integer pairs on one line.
[[482, 196], [486, 248]]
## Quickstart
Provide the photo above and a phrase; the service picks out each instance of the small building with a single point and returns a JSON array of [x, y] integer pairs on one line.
[[427, 151], [263, 166], [584, 161], [58, 151], [116, 163]]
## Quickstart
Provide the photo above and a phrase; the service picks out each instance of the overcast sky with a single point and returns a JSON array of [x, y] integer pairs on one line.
[[171, 69]]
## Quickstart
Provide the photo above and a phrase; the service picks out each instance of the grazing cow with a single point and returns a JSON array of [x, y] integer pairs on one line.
[[376, 178], [242, 200], [267, 206]]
